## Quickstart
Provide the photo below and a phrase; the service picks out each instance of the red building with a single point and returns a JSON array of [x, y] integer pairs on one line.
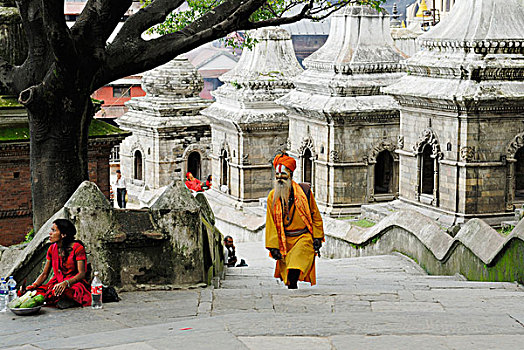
[[15, 175], [116, 94]]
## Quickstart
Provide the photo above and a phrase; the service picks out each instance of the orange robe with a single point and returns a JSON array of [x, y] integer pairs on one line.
[[297, 252]]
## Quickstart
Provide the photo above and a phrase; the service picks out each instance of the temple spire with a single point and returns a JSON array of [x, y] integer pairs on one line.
[[422, 7]]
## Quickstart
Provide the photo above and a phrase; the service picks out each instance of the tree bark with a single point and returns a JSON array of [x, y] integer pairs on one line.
[[58, 154]]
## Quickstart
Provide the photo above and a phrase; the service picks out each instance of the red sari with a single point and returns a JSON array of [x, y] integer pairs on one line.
[[79, 291]]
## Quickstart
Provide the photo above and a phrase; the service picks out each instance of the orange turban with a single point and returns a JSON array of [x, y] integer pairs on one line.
[[286, 161]]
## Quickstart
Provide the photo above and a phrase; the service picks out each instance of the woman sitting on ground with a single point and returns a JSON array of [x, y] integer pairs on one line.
[[67, 257]]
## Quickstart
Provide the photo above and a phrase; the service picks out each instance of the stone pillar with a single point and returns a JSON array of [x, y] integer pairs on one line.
[[338, 112], [245, 120]]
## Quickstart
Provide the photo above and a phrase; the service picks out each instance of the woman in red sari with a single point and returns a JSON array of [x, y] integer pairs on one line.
[[67, 257]]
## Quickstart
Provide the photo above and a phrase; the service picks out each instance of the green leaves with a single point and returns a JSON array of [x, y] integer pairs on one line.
[[193, 10]]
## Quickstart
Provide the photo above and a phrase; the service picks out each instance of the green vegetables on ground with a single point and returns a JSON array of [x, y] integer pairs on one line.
[[28, 300]]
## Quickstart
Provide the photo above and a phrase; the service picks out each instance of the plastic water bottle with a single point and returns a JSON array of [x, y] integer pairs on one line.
[[3, 295], [96, 292], [11, 285]]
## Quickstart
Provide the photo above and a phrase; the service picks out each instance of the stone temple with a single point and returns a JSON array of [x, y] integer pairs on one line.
[[462, 104], [170, 136], [342, 129], [248, 127]]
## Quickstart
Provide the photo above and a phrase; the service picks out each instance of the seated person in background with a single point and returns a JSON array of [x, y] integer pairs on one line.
[[208, 183], [193, 183], [230, 258], [67, 257]]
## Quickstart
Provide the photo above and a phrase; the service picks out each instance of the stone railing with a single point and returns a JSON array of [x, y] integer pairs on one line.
[[477, 251]]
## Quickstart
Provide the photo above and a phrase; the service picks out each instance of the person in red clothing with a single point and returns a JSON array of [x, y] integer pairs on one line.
[[67, 258], [193, 183], [208, 183]]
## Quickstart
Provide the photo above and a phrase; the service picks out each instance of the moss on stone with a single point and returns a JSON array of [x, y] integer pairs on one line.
[[9, 102], [97, 128], [14, 134], [101, 128], [363, 223], [9, 15]]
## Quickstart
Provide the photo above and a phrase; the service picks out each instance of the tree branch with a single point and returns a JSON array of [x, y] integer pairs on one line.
[[129, 53], [282, 20], [38, 54], [58, 33], [95, 24], [154, 13]]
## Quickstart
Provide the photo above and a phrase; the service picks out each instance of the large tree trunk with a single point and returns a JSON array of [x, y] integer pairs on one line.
[[59, 134]]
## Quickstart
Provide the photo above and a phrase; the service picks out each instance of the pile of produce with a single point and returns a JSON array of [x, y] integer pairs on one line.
[[28, 300]]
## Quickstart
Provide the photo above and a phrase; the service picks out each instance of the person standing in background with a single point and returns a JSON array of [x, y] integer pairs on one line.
[[120, 185]]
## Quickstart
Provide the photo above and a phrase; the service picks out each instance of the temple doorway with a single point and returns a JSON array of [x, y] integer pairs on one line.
[[307, 166], [224, 167], [138, 165], [428, 169], [519, 175], [383, 173], [194, 164]]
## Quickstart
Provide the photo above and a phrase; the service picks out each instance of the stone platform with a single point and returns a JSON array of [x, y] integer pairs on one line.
[[383, 302]]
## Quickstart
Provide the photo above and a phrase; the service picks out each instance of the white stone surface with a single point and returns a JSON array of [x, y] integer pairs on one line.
[[247, 125], [337, 113], [464, 96]]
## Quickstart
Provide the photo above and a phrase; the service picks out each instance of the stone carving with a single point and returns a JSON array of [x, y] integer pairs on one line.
[[333, 156], [428, 137], [400, 142], [307, 143], [383, 145], [159, 122], [515, 145], [245, 108], [467, 153], [338, 98], [202, 149], [288, 144]]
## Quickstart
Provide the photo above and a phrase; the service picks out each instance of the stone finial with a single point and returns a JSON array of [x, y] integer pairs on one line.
[[359, 42], [88, 195], [272, 61], [475, 51], [176, 196], [394, 22], [177, 78]]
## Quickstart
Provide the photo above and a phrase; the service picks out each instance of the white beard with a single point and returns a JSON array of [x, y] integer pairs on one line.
[[282, 190]]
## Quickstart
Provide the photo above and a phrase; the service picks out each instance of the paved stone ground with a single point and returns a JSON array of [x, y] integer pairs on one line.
[[384, 302]]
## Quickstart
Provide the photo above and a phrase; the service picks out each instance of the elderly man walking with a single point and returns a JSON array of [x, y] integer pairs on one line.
[[294, 229]]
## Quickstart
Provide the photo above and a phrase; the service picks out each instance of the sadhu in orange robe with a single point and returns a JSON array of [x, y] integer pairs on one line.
[[284, 233]]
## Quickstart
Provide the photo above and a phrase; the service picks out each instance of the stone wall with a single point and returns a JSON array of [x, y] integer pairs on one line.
[[477, 251], [171, 245]]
